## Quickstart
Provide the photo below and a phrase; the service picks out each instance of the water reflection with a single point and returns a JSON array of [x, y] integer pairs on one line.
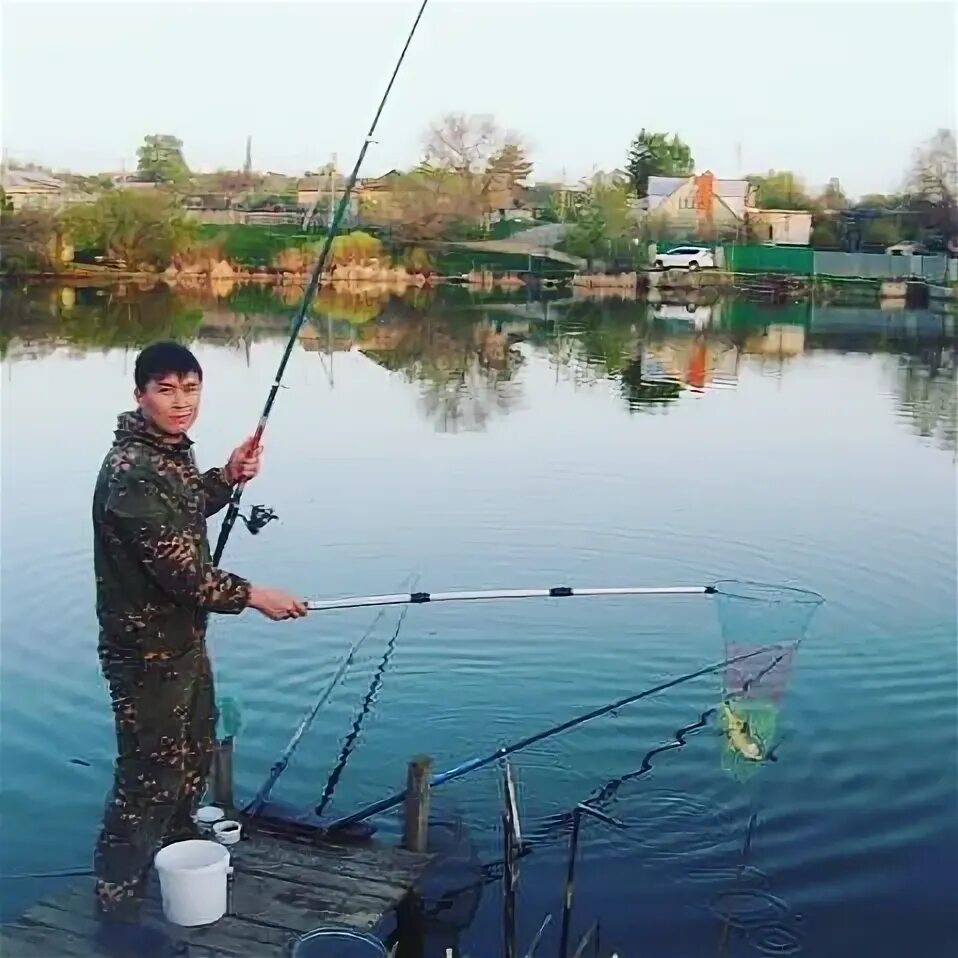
[[466, 352], [927, 396]]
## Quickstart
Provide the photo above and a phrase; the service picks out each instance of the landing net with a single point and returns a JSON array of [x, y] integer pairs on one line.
[[755, 616]]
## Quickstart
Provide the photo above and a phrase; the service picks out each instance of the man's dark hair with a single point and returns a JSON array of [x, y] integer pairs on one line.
[[161, 359]]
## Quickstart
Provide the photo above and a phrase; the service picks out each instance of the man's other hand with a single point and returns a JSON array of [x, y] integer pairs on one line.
[[276, 604]]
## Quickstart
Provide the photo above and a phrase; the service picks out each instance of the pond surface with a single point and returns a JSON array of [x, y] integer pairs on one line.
[[483, 442]]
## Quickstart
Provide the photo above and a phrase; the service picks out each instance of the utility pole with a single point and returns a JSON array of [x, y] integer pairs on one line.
[[332, 191]]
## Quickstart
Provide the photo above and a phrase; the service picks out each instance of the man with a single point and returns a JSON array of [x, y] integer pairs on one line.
[[156, 586]]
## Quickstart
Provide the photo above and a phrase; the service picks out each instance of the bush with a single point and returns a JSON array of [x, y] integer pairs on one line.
[[355, 247], [417, 260], [29, 240], [141, 229]]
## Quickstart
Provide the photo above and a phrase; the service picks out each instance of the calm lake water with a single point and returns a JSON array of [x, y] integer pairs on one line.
[[479, 443]]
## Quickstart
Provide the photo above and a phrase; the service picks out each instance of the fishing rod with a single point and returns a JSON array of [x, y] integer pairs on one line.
[[350, 742], [280, 765], [479, 761], [230, 518], [556, 592]]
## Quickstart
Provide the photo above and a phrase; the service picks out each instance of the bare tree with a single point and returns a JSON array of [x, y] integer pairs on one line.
[[490, 164], [933, 183], [462, 143], [425, 204]]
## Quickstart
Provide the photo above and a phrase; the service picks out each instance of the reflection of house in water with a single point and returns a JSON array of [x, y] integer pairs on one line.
[[928, 396], [698, 362], [780, 340]]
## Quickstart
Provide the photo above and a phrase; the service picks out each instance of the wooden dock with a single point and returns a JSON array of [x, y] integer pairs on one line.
[[281, 887]]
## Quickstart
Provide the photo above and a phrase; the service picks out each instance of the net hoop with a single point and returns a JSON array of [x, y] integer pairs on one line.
[[765, 592]]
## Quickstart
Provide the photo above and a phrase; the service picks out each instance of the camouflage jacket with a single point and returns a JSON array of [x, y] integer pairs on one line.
[[155, 579]]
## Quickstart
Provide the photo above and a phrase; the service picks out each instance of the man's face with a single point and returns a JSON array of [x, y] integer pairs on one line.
[[170, 403]]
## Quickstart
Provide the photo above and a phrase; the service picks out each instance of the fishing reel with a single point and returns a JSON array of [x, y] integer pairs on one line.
[[259, 517]]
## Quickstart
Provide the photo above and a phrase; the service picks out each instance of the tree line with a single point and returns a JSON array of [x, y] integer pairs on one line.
[[472, 172]]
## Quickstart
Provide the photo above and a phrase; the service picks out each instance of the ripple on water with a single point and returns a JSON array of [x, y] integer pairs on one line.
[[747, 908], [744, 875], [775, 939], [672, 827]]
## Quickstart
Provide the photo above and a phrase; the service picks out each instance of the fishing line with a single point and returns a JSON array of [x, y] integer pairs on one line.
[[300, 316], [600, 798], [480, 761], [492, 871], [364, 709], [280, 766]]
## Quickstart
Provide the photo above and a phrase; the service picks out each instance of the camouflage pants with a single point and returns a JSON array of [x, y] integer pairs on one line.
[[165, 720]]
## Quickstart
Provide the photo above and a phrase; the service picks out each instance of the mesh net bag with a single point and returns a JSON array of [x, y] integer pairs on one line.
[[762, 627]]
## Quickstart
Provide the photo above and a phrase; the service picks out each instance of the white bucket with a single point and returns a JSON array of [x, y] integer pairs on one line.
[[193, 881]]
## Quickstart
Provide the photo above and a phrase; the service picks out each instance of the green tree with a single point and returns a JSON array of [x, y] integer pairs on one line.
[[586, 237], [882, 232], [781, 190], [605, 216], [656, 154], [612, 203], [160, 159], [142, 229], [511, 164]]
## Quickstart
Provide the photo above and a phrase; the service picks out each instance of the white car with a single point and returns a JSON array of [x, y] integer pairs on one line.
[[686, 257]]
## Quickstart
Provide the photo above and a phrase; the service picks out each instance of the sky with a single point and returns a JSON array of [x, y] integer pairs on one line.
[[828, 89]]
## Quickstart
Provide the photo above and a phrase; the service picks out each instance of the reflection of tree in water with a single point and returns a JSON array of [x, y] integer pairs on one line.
[[607, 340], [926, 388], [467, 399], [104, 318], [466, 369]]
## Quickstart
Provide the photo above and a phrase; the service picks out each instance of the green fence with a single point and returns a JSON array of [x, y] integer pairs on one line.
[[803, 261], [797, 260]]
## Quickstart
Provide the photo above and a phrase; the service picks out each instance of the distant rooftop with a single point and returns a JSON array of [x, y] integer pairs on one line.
[[667, 185], [31, 180]]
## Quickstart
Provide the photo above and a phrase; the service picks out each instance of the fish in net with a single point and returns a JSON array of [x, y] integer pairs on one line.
[[762, 628]]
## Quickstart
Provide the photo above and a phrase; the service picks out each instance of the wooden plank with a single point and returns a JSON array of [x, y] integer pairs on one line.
[[297, 907], [259, 861], [271, 854], [229, 936], [77, 898], [232, 933], [280, 888], [27, 938], [83, 926], [378, 857]]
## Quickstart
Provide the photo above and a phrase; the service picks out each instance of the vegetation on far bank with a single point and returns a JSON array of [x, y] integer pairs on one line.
[[471, 184]]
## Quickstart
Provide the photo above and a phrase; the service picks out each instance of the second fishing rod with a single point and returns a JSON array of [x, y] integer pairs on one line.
[[300, 317]]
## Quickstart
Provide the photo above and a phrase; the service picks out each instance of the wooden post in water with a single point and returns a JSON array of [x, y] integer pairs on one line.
[[416, 808], [223, 773]]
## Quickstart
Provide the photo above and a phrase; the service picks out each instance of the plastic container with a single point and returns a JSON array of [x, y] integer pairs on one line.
[[207, 816], [337, 941], [193, 877], [227, 832]]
